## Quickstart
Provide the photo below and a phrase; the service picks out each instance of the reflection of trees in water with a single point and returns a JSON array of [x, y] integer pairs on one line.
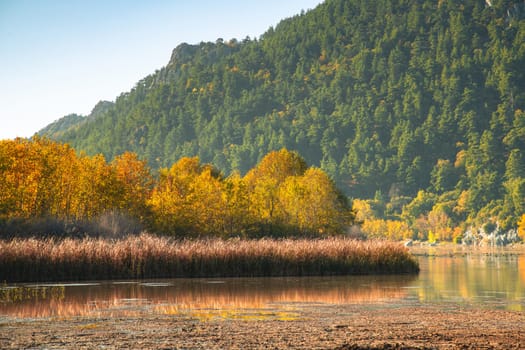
[[484, 275], [521, 268], [229, 294]]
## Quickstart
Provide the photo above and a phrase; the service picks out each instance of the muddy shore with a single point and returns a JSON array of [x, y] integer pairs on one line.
[[303, 326]]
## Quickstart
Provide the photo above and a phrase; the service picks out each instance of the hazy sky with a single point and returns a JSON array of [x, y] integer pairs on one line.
[[63, 56]]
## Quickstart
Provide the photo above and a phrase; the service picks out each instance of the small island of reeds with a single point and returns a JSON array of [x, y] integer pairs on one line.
[[148, 256]]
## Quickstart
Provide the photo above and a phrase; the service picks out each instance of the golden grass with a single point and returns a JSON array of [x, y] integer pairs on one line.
[[148, 256]]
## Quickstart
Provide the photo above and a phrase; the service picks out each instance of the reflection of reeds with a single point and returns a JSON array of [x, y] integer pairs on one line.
[[148, 256], [16, 294], [234, 297]]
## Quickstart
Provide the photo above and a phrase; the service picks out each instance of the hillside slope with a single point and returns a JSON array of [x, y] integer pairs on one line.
[[389, 99]]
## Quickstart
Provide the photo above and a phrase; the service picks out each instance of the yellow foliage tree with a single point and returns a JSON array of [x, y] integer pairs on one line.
[[207, 202], [263, 184], [42, 178], [389, 229], [24, 170], [188, 199], [237, 218], [437, 222], [135, 183], [36, 178], [292, 196], [97, 188], [313, 204], [363, 210], [521, 228], [375, 228]]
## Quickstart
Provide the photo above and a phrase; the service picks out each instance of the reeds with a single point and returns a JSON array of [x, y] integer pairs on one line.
[[148, 256]]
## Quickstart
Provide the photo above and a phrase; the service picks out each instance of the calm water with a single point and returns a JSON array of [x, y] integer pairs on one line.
[[493, 279]]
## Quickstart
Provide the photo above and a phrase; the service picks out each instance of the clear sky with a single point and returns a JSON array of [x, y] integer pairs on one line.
[[63, 56]]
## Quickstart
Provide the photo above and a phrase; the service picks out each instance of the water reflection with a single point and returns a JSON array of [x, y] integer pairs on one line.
[[175, 296], [492, 279]]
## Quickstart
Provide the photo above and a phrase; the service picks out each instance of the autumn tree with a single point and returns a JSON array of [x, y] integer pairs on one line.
[[236, 214], [135, 181], [263, 184], [37, 178], [521, 227], [188, 199], [313, 203], [42, 178], [20, 176], [387, 229]]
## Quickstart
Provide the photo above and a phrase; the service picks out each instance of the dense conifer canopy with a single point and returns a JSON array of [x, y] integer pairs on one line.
[[419, 104]]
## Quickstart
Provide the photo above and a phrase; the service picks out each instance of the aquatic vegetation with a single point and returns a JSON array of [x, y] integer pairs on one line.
[[16, 294], [245, 315], [148, 256]]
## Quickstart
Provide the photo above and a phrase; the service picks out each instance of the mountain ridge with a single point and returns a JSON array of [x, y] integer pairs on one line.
[[390, 100], [62, 125]]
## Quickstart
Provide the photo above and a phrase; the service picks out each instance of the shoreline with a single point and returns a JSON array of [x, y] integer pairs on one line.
[[384, 322], [313, 326], [451, 249]]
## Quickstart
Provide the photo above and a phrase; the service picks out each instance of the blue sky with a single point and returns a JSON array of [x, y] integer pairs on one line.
[[63, 56]]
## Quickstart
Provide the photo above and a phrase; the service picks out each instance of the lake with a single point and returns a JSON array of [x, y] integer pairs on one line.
[[493, 279]]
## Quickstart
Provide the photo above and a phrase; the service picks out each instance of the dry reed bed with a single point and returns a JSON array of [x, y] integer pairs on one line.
[[148, 256]]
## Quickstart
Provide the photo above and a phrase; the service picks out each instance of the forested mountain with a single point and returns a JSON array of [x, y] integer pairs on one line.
[[417, 104], [72, 121]]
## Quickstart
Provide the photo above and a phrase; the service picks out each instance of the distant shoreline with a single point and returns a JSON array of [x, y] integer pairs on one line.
[[448, 248]]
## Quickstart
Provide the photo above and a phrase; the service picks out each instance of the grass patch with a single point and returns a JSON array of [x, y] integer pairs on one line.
[[88, 326], [244, 315], [148, 256]]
